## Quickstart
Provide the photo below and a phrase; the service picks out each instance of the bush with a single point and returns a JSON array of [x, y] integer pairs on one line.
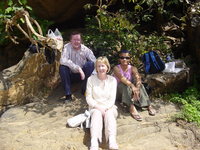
[[190, 104], [116, 33], [108, 32]]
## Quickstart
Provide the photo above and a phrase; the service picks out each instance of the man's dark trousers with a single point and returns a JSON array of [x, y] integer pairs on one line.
[[67, 77]]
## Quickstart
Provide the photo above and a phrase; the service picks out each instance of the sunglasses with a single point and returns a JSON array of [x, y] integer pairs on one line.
[[124, 57]]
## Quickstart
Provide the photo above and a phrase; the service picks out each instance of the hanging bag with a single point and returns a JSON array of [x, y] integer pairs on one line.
[[55, 40]]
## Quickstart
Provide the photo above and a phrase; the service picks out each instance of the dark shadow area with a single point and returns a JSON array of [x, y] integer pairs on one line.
[[56, 99], [11, 54]]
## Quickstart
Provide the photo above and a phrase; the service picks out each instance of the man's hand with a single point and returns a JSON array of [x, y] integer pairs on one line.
[[82, 74]]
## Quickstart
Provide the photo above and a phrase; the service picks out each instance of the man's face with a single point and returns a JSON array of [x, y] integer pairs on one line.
[[76, 41]]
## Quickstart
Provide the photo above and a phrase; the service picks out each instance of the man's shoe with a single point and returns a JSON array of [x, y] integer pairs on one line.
[[68, 98]]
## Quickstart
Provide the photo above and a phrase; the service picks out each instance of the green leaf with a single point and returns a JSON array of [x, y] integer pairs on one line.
[[22, 20], [8, 10], [19, 1], [28, 7], [134, 1], [10, 2], [183, 18], [172, 2], [2, 16], [138, 8], [87, 6], [150, 2], [104, 6], [35, 37], [24, 2]]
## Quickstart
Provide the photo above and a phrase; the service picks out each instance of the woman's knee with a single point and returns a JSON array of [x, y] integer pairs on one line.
[[111, 112], [96, 112]]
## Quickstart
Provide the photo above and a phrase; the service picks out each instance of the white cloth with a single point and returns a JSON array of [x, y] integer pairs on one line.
[[75, 59], [170, 68], [78, 120], [101, 93]]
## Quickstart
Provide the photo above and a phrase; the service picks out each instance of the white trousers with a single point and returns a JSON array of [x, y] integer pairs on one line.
[[109, 121]]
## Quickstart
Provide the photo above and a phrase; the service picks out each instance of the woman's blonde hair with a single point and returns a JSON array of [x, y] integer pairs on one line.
[[104, 60]]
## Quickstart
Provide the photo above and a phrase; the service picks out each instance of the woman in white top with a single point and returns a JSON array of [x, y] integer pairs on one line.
[[100, 96]]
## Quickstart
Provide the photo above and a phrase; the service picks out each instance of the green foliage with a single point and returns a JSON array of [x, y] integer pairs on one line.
[[107, 33], [191, 113], [8, 7], [190, 104], [144, 9], [126, 28], [7, 11], [162, 11]]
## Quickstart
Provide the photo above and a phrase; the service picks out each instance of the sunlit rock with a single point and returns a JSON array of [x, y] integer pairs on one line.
[[31, 77], [161, 83]]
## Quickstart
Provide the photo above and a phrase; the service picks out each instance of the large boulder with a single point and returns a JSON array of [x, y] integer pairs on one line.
[[164, 82], [32, 77]]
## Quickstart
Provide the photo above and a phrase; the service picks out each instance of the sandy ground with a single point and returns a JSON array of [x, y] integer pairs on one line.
[[41, 125]]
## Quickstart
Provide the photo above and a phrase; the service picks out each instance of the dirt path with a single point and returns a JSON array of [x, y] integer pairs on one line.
[[42, 126]]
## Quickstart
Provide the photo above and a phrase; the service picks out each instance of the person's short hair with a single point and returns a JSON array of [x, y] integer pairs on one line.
[[74, 33], [104, 60], [124, 51]]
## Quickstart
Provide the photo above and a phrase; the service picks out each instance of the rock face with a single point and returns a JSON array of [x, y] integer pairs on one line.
[[27, 79], [42, 126], [161, 83], [58, 10]]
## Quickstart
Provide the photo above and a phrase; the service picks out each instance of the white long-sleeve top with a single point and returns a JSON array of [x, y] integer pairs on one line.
[[75, 59], [101, 92]]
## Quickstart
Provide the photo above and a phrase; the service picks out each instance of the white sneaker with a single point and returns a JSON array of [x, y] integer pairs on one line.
[[112, 143], [113, 146], [94, 144]]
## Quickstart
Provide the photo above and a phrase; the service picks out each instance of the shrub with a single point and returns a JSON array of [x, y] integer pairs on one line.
[[190, 104], [107, 33]]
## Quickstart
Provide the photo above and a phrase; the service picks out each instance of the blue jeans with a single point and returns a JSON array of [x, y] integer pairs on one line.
[[68, 77]]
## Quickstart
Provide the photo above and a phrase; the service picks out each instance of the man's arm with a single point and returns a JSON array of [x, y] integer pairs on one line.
[[89, 54], [82, 74]]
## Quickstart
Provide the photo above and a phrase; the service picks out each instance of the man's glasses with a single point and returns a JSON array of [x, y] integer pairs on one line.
[[124, 57]]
